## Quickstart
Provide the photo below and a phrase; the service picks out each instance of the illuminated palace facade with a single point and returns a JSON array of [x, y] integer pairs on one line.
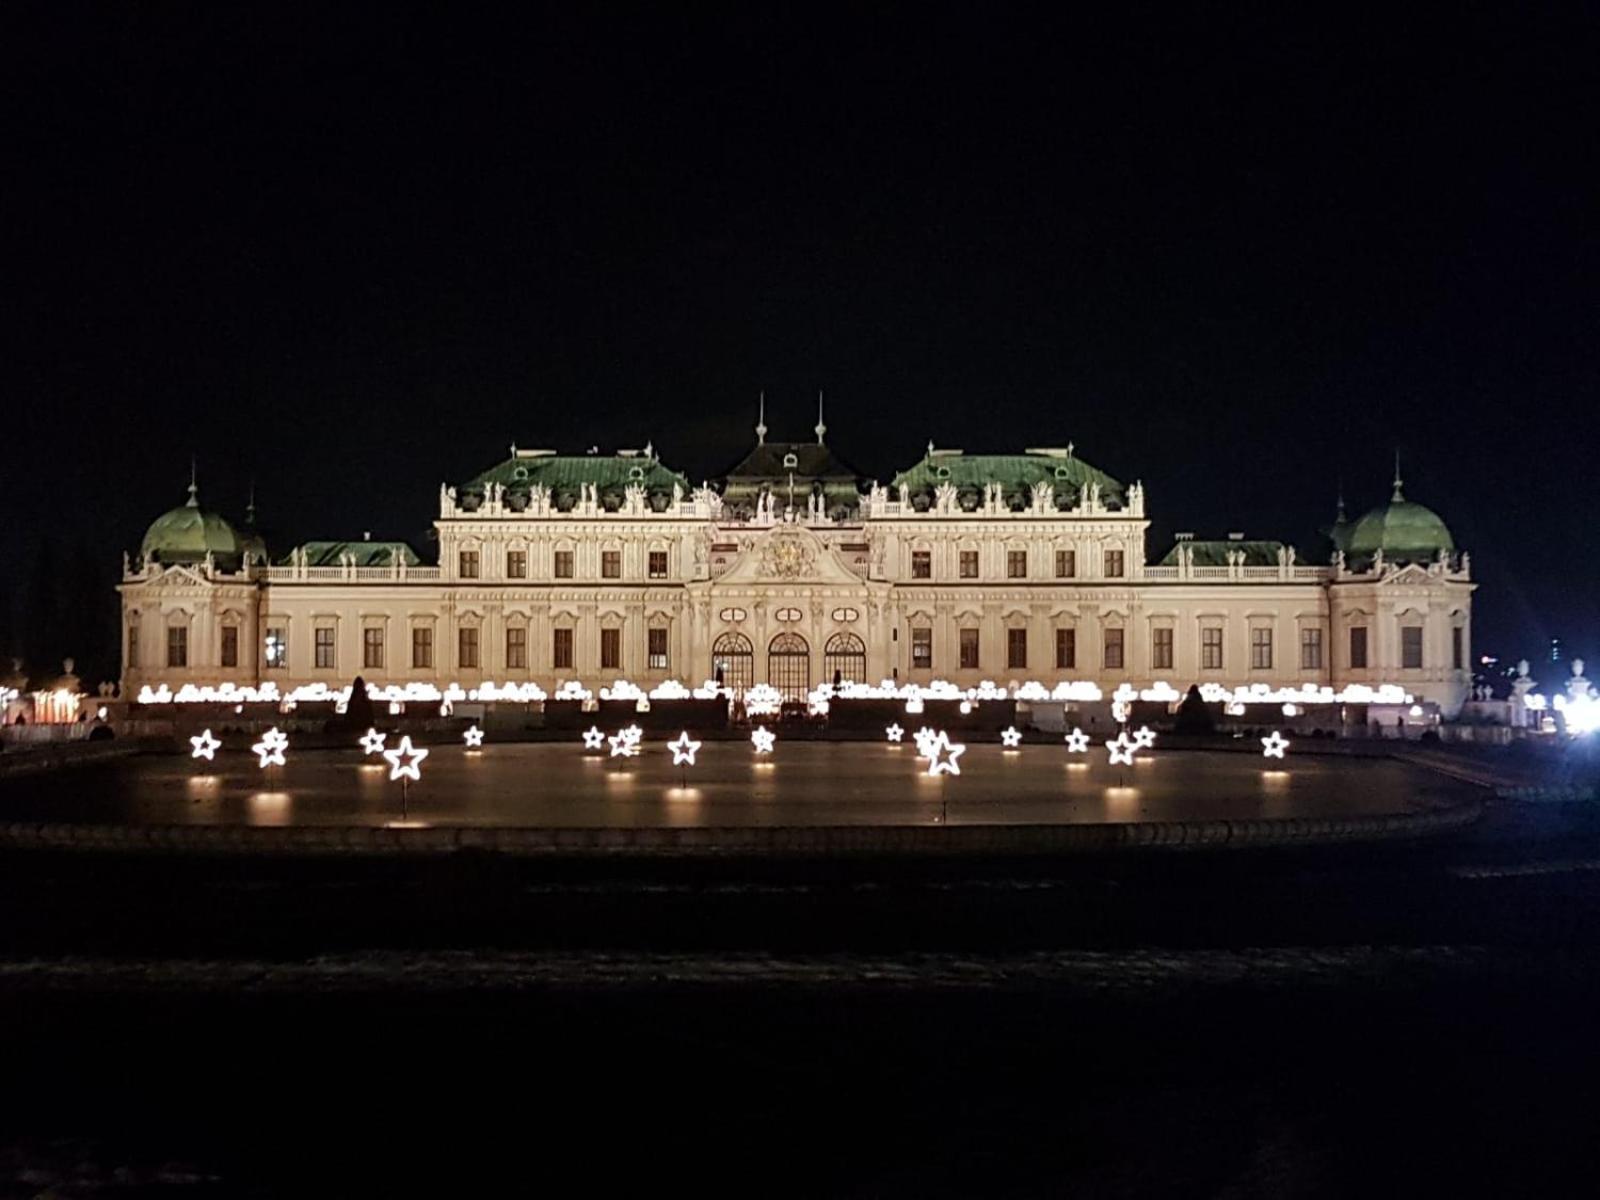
[[792, 569]]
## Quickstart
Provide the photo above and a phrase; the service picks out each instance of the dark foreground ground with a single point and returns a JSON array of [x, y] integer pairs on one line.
[[1372, 1021]]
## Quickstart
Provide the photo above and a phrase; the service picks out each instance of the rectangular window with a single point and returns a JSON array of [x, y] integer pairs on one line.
[[563, 565], [611, 649], [658, 564], [922, 649], [1161, 649], [1358, 647], [1113, 656], [1066, 649], [611, 564], [177, 646], [561, 649], [921, 564], [969, 564], [516, 648], [969, 649], [656, 649], [1016, 648], [516, 564], [133, 645], [1113, 564], [469, 564], [1311, 649], [276, 648], [230, 645], [466, 648], [1411, 647], [1066, 564], [324, 660], [372, 648], [422, 647], [1457, 648], [1211, 648], [1016, 564], [1261, 649]]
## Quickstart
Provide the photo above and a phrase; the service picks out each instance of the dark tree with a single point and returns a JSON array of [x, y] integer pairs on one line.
[[1194, 715]]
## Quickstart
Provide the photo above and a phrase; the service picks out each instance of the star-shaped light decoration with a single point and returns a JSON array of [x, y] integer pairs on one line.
[[205, 746], [405, 760], [683, 750], [625, 743], [894, 733], [271, 747], [1011, 737], [924, 738], [372, 742], [1144, 737], [762, 739], [942, 754], [1077, 742], [473, 736], [1121, 750], [1273, 745], [593, 739]]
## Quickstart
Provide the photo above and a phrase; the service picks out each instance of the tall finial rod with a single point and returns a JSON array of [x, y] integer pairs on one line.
[[1338, 503], [194, 484], [821, 428], [761, 422], [250, 508], [1398, 495]]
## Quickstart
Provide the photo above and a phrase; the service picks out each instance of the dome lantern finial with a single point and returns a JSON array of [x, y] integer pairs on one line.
[[1398, 494], [821, 428], [1338, 503], [761, 420], [194, 486]]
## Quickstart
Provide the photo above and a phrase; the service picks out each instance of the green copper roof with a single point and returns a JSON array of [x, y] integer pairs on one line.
[[188, 533], [815, 464], [1014, 472], [1215, 553], [1403, 530], [566, 472], [367, 554]]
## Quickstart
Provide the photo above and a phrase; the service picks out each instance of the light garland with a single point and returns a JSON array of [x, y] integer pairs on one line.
[[763, 700], [271, 748], [405, 760], [205, 746], [1273, 745], [762, 739]]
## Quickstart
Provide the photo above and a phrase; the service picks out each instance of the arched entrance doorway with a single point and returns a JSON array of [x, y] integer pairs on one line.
[[789, 665], [845, 655], [733, 660]]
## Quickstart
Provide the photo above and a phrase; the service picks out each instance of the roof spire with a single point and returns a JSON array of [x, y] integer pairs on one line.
[[194, 486], [821, 428], [761, 421], [1398, 495], [1338, 504], [250, 508]]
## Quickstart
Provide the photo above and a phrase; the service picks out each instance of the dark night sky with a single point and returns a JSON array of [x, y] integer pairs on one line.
[[352, 256]]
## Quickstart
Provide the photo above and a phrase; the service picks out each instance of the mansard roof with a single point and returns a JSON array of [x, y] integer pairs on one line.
[[526, 469], [813, 460], [367, 553], [1012, 471], [1257, 553]]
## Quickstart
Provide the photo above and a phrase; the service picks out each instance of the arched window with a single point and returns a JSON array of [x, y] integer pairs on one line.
[[733, 661], [789, 665], [845, 655]]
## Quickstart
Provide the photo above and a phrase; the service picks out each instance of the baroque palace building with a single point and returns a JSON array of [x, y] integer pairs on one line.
[[793, 570]]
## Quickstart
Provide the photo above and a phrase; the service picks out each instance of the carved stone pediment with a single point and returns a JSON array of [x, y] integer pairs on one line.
[[788, 554], [1408, 576]]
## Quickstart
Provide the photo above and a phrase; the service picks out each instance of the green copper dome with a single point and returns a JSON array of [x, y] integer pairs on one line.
[[188, 533], [1402, 529]]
